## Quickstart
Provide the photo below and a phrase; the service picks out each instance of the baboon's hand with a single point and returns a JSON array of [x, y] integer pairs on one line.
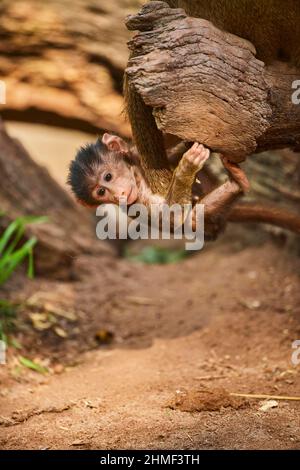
[[195, 157]]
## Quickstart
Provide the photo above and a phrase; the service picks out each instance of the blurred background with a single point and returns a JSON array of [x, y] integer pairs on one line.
[[62, 63], [226, 315]]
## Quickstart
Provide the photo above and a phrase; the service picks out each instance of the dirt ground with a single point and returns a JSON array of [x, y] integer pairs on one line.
[[221, 321], [180, 338]]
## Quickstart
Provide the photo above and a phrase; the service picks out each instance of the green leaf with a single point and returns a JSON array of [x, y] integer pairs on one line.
[[8, 233], [32, 365], [12, 254], [14, 343], [3, 336], [158, 255], [9, 263], [30, 272]]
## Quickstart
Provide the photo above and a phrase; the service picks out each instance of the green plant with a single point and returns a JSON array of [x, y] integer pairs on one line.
[[32, 365], [7, 319], [157, 255], [12, 252]]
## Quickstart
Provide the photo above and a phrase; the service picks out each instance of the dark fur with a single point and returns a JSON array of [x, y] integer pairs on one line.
[[81, 167]]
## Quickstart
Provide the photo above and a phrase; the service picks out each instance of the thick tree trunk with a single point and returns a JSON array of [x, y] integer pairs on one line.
[[28, 189], [207, 85]]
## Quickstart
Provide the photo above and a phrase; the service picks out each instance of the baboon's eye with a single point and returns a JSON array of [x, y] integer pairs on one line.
[[101, 191], [108, 177]]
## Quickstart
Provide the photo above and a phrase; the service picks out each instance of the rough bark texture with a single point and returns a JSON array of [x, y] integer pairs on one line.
[[28, 189], [63, 61], [207, 85]]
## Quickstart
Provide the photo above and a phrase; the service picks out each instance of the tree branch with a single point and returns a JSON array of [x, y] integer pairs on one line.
[[207, 85]]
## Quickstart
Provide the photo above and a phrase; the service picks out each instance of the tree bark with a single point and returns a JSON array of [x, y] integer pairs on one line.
[[206, 85]]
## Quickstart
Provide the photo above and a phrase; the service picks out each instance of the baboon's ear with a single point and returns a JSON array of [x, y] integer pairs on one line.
[[113, 142]]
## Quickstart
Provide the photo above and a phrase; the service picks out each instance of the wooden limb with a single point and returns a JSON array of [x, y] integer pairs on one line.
[[206, 85], [263, 213]]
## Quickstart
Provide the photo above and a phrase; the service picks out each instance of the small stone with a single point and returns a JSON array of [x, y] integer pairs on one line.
[[267, 405]]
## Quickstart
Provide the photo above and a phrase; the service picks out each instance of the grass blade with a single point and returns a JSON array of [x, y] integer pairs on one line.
[[32, 365]]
